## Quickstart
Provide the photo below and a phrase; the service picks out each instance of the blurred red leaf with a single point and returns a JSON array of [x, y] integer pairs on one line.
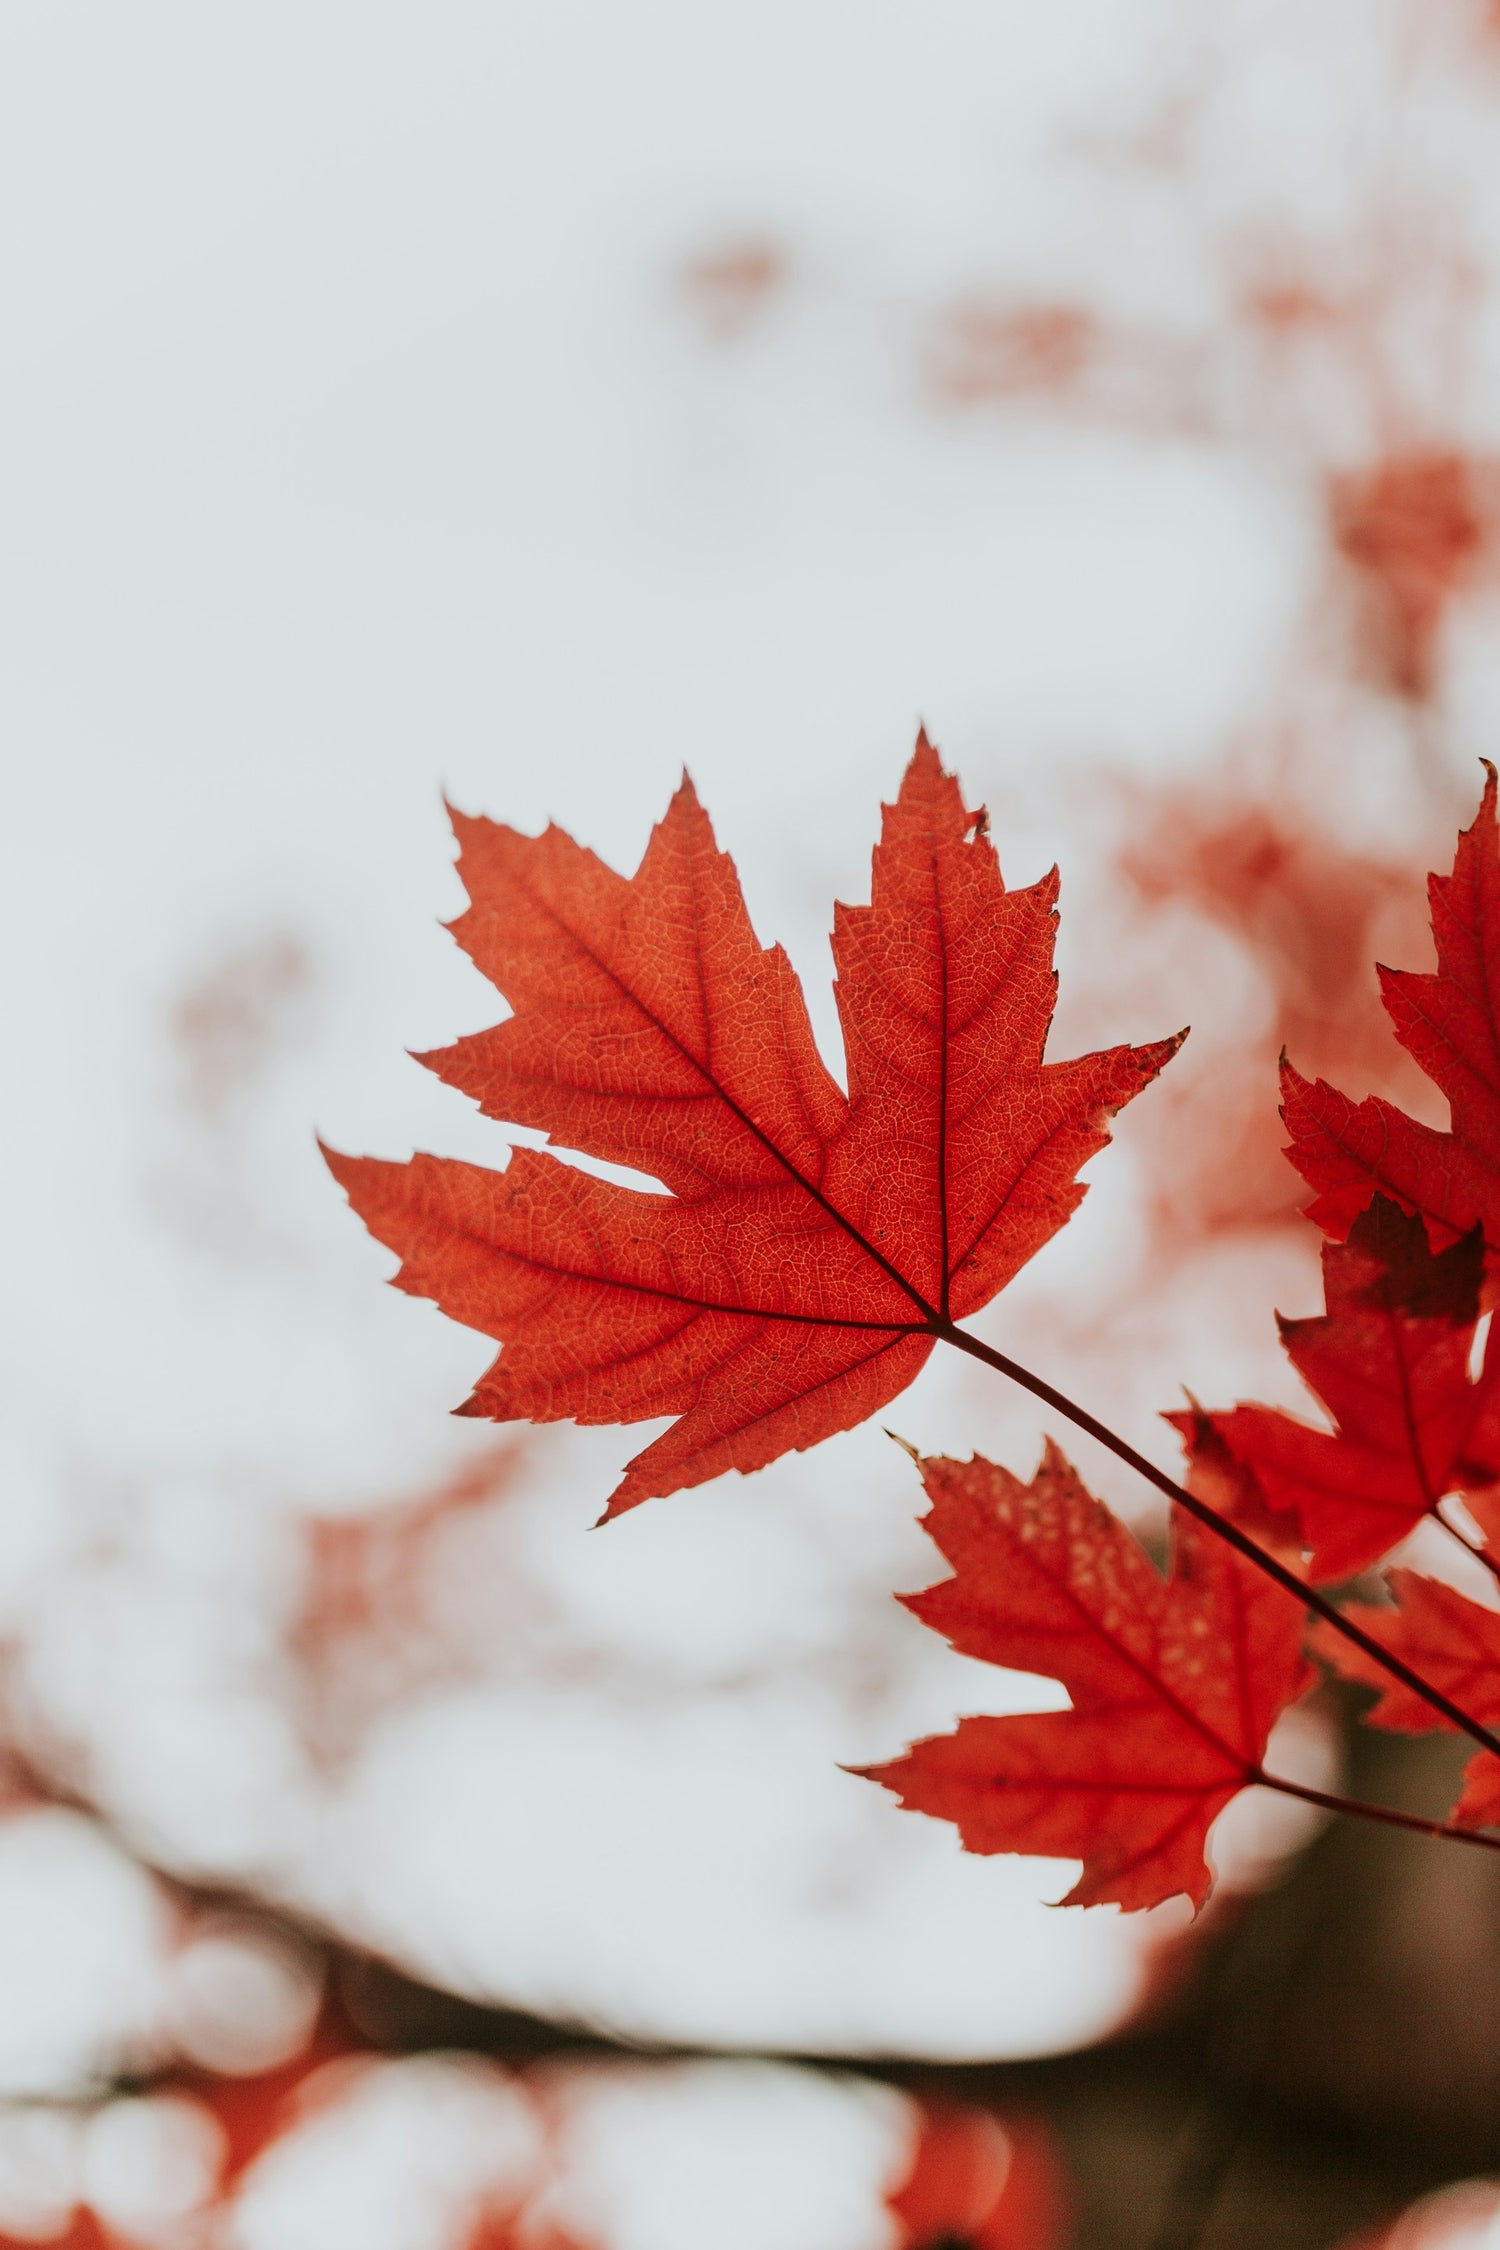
[[83, 2232], [984, 2182], [1175, 1684], [362, 1568], [367, 1627], [811, 1246], [989, 351], [251, 2112], [1413, 528], [1303, 908], [1350, 1151], [512, 2230], [731, 287], [254, 2109], [1390, 1361]]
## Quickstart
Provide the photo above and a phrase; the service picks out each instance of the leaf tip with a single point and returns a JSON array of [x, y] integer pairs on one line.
[[338, 1164], [882, 1774], [628, 1494], [461, 823]]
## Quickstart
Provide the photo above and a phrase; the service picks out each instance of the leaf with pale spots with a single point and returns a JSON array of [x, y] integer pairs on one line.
[[1175, 1683]]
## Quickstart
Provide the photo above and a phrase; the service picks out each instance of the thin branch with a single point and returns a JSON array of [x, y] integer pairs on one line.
[[1357, 1809], [1211, 1519]]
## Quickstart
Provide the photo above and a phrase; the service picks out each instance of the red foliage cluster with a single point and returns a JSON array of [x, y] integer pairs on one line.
[[1378, 339], [1001, 351], [972, 2179], [812, 1247], [1349, 1152], [252, 2113], [1390, 1362]]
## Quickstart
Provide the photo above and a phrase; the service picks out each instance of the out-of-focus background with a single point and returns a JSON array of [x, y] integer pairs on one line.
[[517, 403]]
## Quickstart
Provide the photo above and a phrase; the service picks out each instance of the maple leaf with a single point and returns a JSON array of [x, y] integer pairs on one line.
[[1348, 1151], [1231, 1487], [811, 1246], [1453, 1643], [1175, 1682], [1390, 1361]]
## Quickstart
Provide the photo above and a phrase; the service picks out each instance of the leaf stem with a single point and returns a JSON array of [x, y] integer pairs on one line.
[[1224, 1529], [1358, 1809]]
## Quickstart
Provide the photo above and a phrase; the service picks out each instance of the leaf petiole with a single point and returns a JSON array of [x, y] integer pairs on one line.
[[1358, 1809]]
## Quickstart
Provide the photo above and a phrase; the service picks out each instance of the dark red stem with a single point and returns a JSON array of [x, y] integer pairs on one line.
[[1221, 1525], [1361, 1811]]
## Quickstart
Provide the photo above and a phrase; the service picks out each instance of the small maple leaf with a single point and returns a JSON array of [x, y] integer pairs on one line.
[[1349, 1151], [811, 1246], [1390, 1361], [1453, 1643], [1175, 1683]]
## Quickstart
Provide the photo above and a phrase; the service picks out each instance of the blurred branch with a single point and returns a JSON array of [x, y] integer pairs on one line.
[[1332, 2052]]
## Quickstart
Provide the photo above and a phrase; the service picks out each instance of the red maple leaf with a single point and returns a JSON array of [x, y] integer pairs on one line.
[[811, 1245], [1230, 1486], [1350, 1151], [1175, 1682], [1453, 1643], [1390, 1361]]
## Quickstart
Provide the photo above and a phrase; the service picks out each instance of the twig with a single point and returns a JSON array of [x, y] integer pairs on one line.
[[1358, 1809]]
